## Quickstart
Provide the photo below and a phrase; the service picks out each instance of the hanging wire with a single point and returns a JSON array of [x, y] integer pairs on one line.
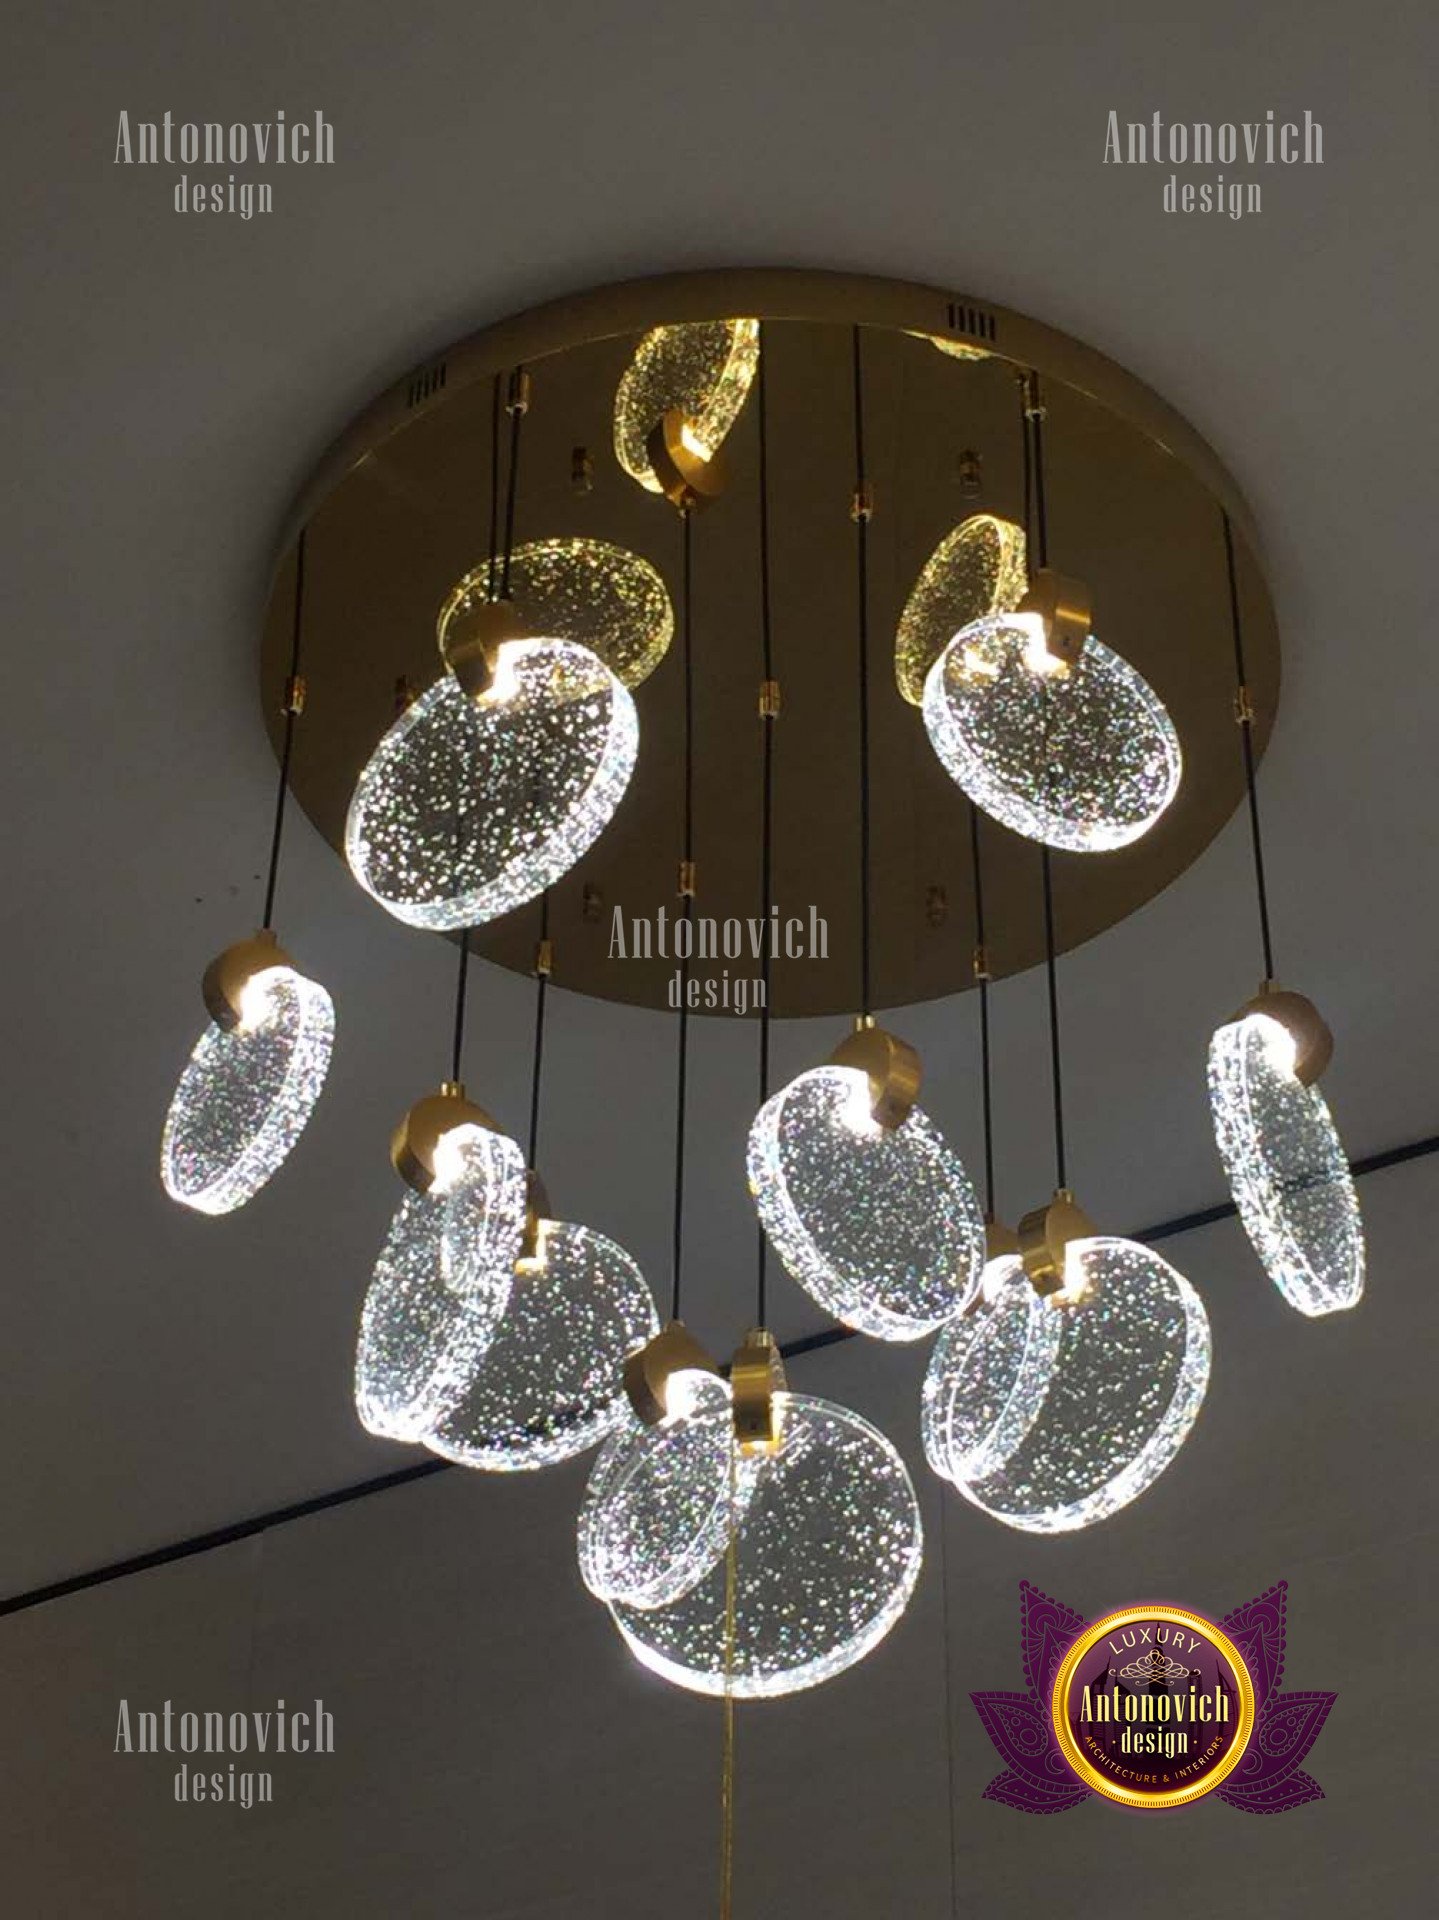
[[687, 916], [768, 704], [860, 513], [948, 1706], [493, 547], [294, 702], [1037, 545], [542, 982], [1244, 712], [982, 976], [518, 403]]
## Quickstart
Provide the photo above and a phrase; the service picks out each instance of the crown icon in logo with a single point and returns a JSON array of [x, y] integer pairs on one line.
[[1155, 1666]]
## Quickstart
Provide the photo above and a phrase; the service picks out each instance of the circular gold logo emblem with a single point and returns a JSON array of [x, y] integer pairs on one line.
[[1153, 1706]]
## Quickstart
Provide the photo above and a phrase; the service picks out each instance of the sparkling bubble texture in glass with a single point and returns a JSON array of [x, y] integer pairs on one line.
[[828, 1550], [1286, 1167], [1051, 1418], [468, 808], [978, 569], [1085, 760], [656, 1513], [246, 1093], [704, 368], [603, 597], [439, 1289], [879, 1225], [550, 1383]]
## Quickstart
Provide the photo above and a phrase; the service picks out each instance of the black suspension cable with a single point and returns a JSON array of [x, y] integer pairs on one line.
[[1244, 712], [294, 701], [1038, 544], [461, 982], [860, 512], [493, 549], [463, 970], [518, 404], [686, 880], [542, 982], [981, 974], [768, 711]]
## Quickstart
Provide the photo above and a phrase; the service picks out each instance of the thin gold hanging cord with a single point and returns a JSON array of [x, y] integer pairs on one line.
[[948, 1708], [731, 1611]]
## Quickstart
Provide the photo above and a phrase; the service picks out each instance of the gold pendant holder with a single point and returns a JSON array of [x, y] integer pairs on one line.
[[471, 632], [531, 1256], [229, 973], [1302, 1021], [1044, 1236], [893, 1067], [1000, 1242], [414, 1141], [757, 1379], [649, 1372], [688, 476], [1062, 606]]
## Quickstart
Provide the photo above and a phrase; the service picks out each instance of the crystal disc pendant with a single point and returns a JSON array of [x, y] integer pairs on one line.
[[1286, 1167], [1051, 1417], [879, 1225], [827, 1549], [549, 1383], [977, 569], [468, 807], [440, 1286], [247, 1092], [702, 369], [600, 596], [656, 1514], [1084, 758]]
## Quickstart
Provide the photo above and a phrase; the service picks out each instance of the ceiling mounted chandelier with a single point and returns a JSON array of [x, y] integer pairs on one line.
[[783, 490]]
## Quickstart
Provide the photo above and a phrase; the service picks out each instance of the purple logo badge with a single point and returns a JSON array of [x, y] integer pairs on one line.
[[1153, 1706]]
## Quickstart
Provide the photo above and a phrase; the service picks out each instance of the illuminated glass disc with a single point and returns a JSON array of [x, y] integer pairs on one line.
[[879, 1225], [704, 368], [247, 1092], [1286, 1167], [828, 1549], [1052, 1417], [656, 1513], [1085, 760], [440, 1286], [549, 1384], [976, 570], [469, 807], [601, 596]]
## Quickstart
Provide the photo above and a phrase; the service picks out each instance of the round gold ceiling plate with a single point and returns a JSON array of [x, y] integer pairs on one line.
[[398, 510]]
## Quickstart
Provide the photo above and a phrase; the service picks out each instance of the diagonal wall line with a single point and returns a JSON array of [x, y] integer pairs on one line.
[[424, 1469]]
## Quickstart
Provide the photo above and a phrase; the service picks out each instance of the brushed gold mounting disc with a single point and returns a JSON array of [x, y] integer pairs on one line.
[[398, 511]]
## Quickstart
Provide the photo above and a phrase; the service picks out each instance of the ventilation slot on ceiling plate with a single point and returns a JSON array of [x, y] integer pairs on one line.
[[426, 384], [971, 320]]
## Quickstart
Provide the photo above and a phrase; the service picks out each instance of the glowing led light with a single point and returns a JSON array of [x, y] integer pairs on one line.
[[549, 1383], [977, 570], [440, 1286], [702, 368], [956, 349], [600, 596], [656, 1514], [246, 1093], [1286, 1167], [880, 1225], [1052, 1417], [469, 807], [828, 1547], [1085, 759]]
